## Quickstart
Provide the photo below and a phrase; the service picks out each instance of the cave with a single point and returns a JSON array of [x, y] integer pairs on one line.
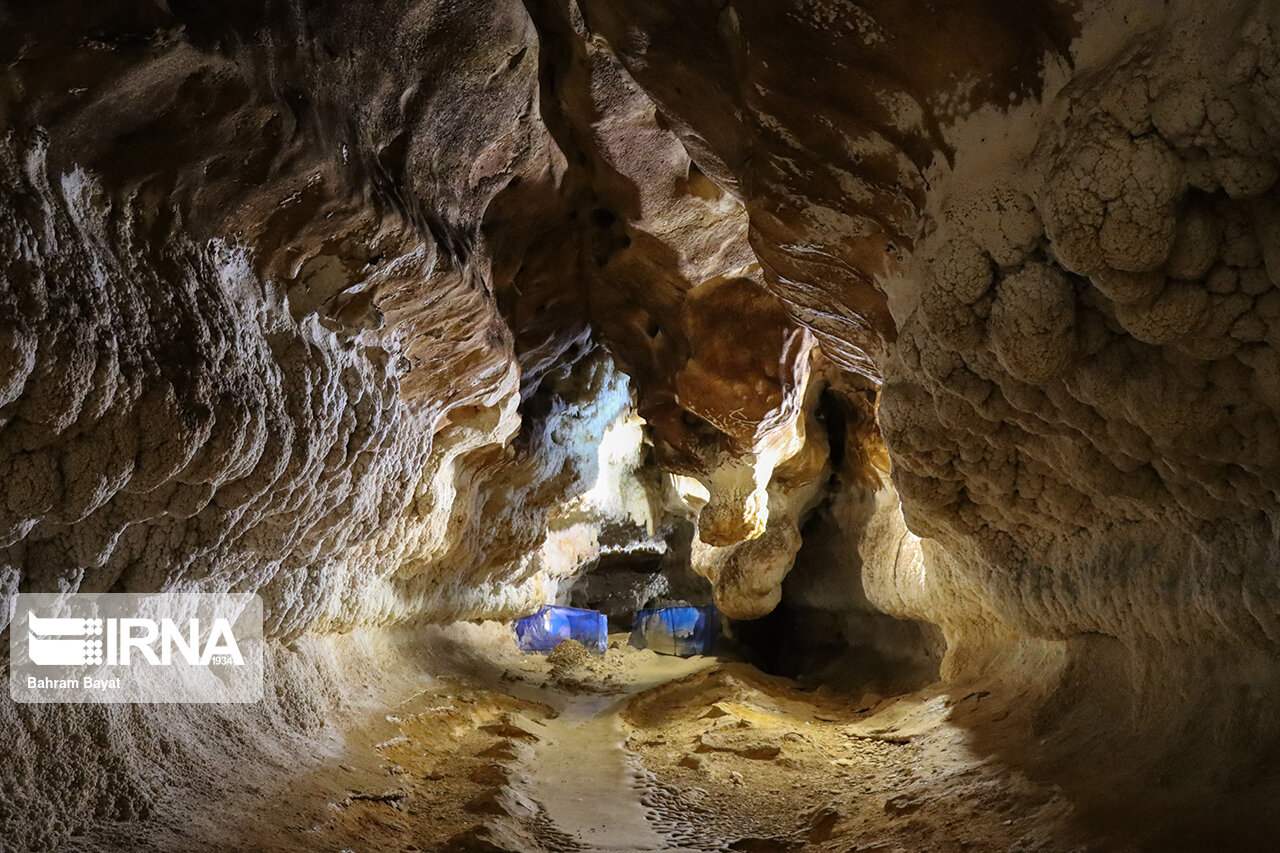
[[936, 345]]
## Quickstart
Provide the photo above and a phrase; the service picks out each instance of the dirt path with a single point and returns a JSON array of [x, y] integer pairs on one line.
[[586, 783], [638, 752], [585, 780], [594, 790]]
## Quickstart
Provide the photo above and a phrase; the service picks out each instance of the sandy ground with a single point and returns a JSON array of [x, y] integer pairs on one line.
[[634, 751]]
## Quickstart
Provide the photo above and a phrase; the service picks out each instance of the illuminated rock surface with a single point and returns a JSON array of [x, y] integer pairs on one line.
[[952, 334]]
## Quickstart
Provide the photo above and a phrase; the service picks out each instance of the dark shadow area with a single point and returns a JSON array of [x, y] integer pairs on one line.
[[840, 650], [1158, 749], [825, 631]]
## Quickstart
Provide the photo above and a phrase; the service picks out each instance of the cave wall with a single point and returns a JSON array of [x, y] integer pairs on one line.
[[296, 302], [1075, 256], [253, 344], [239, 370], [172, 426], [1075, 355], [1079, 399], [469, 198]]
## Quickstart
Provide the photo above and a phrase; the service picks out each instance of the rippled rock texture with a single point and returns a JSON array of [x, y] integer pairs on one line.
[[336, 301], [285, 284]]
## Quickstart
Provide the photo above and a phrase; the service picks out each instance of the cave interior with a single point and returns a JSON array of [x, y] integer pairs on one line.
[[936, 344]]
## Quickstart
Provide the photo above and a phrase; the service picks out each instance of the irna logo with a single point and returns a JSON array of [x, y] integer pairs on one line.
[[134, 647], [60, 641]]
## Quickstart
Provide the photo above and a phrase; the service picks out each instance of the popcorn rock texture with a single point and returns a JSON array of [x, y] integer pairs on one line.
[[1078, 398]]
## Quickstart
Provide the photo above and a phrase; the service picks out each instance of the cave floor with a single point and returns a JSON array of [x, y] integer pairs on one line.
[[633, 751]]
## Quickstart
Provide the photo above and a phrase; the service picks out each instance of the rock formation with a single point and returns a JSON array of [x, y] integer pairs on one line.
[[979, 301]]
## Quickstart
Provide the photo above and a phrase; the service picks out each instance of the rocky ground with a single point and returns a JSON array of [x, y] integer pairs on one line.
[[634, 751]]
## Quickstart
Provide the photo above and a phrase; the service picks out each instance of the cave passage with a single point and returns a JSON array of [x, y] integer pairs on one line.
[[635, 751], [935, 345]]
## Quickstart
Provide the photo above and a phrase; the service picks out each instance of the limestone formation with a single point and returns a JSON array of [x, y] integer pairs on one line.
[[963, 313]]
